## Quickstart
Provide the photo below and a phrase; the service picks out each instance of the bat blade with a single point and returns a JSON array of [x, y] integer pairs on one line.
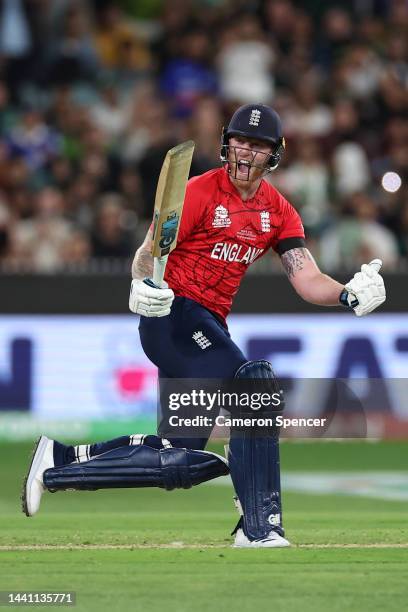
[[170, 193]]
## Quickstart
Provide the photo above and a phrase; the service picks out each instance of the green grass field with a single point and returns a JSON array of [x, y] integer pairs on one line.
[[154, 550]]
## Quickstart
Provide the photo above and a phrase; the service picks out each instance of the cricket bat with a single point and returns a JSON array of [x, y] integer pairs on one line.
[[168, 206]]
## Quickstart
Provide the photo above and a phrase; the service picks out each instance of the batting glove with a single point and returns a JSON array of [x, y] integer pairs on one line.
[[366, 290], [149, 300]]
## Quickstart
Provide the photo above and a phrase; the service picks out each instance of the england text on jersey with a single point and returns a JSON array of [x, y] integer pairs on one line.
[[228, 251]]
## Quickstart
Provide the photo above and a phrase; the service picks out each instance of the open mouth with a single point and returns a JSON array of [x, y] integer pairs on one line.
[[244, 165]]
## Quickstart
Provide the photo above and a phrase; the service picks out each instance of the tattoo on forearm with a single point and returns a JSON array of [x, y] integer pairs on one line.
[[294, 260], [143, 264]]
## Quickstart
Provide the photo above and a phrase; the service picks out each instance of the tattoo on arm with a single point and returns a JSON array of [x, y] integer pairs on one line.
[[142, 266], [294, 260]]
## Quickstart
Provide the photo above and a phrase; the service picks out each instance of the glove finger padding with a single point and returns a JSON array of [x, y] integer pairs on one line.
[[362, 297], [359, 279], [369, 302], [165, 295], [147, 312], [149, 301], [156, 307], [369, 271], [362, 310], [153, 292], [375, 291]]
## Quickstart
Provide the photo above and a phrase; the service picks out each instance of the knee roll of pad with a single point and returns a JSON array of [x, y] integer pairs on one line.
[[138, 466], [260, 370], [260, 379]]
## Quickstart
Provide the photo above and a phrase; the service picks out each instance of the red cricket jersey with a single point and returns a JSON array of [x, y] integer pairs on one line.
[[220, 235]]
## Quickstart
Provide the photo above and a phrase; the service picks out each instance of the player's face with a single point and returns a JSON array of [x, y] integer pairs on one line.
[[247, 158]]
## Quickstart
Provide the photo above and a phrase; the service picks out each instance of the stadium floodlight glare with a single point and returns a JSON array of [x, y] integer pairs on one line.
[[391, 182]]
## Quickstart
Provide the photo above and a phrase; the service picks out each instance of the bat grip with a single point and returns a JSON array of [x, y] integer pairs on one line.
[[159, 267]]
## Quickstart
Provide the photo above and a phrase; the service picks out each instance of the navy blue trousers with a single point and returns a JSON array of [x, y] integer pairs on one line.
[[169, 343]]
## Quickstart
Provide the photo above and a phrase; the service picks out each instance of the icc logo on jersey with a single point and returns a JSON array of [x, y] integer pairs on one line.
[[221, 218]]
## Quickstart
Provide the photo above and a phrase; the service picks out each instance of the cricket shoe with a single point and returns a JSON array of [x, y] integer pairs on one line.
[[33, 487], [272, 540]]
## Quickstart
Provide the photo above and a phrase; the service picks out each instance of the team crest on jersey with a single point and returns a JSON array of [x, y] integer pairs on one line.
[[265, 221], [221, 217], [255, 117]]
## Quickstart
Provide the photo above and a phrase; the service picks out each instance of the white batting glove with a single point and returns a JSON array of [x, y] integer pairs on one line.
[[367, 288], [148, 300]]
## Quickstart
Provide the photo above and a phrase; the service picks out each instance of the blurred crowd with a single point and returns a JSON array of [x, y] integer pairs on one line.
[[94, 92]]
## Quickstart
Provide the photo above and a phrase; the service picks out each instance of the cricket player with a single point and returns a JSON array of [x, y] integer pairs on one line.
[[231, 218]]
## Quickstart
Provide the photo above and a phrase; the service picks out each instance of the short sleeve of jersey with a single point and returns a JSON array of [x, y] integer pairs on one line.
[[291, 226], [192, 209]]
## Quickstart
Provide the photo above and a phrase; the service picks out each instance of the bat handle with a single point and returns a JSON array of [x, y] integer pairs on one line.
[[159, 267]]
